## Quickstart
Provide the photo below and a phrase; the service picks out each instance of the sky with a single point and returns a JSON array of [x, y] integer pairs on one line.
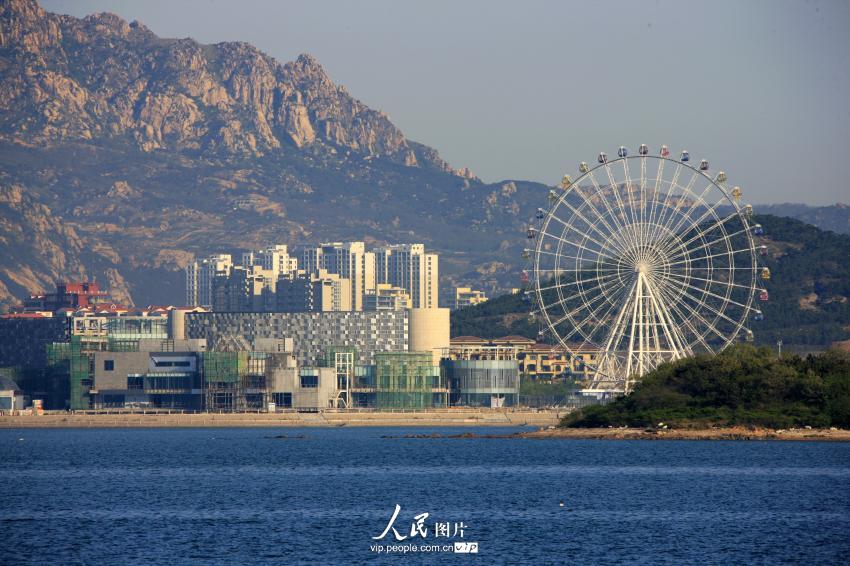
[[527, 90]]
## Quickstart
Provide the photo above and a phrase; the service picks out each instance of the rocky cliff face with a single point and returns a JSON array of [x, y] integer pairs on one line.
[[69, 79], [123, 155]]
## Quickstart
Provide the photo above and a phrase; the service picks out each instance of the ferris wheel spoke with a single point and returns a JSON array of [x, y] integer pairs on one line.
[[684, 190], [608, 236], [700, 289], [569, 242], [605, 200], [630, 225], [717, 224], [642, 190], [586, 306], [588, 319], [684, 319], [730, 283], [612, 231], [725, 254], [674, 182], [700, 199], [701, 233], [694, 313], [711, 326], [583, 295], [737, 325], [578, 282], [627, 183], [656, 191], [600, 257], [707, 245]]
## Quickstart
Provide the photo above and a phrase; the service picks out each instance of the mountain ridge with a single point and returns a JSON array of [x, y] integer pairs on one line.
[[123, 156]]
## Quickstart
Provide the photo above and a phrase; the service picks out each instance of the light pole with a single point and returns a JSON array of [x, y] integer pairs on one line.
[[779, 347]]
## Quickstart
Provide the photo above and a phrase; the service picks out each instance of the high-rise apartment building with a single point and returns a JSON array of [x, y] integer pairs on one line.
[[324, 292], [275, 259], [200, 275], [408, 266], [349, 260]]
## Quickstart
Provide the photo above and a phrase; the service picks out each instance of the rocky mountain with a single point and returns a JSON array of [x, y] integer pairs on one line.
[[123, 155]]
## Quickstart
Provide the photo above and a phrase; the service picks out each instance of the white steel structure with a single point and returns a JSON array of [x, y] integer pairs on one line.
[[645, 259]]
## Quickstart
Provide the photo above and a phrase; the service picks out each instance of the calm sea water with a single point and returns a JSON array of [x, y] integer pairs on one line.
[[239, 496]]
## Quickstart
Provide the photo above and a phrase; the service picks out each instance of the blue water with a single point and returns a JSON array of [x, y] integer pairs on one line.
[[234, 496]]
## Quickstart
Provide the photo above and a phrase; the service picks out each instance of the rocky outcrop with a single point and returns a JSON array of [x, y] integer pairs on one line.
[[124, 155], [100, 77]]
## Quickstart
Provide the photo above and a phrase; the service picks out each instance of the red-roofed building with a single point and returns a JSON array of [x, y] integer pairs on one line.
[[67, 295]]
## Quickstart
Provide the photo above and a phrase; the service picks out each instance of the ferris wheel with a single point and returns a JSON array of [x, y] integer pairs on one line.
[[644, 259]]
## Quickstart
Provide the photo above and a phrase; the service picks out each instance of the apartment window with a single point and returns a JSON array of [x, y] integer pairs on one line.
[[108, 365]]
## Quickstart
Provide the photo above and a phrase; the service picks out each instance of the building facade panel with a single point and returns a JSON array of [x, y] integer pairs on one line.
[[312, 333]]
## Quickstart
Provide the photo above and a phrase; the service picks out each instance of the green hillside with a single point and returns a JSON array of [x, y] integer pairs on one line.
[[809, 290], [743, 385]]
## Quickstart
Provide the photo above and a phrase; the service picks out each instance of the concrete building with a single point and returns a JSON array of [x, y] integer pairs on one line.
[[200, 275], [324, 292], [408, 266], [305, 388], [160, 374], [387, 298], [466, 297]]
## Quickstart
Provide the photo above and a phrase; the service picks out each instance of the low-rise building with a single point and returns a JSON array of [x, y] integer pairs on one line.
[[467, 297], [535, 360], [157, 374], [483, 383], [12, 398]]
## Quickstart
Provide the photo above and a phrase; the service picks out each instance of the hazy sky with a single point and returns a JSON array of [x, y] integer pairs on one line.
[[527, 90]]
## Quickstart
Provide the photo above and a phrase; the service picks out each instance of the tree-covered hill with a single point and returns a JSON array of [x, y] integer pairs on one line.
[[809, 291], [744, 385]]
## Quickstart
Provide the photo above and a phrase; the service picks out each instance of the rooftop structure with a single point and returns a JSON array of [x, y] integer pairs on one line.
[[466, 297]]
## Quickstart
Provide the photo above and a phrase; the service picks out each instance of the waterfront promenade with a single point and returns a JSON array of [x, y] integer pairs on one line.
[[327, 418]]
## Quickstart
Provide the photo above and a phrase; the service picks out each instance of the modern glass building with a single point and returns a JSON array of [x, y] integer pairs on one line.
[[483, 383]]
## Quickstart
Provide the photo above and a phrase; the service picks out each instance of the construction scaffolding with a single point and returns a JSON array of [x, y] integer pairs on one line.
[[75, 360], [235, 381], [342, 358], [407, 380]]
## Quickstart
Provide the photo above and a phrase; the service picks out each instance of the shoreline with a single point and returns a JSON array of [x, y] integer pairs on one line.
[[328, 419]]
